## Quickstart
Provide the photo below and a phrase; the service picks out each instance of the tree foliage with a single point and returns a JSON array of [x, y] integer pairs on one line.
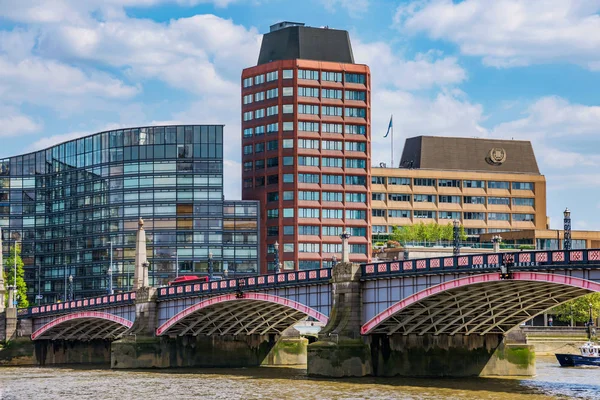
[[421, 232], [9, 276], [580, 307]]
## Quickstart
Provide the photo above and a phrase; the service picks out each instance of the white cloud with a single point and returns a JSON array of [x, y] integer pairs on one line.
[[426, 70], [14, 123], [355, 8], [511, 32]]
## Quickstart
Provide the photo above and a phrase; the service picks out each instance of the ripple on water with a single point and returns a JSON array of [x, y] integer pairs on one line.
[[284, 383]]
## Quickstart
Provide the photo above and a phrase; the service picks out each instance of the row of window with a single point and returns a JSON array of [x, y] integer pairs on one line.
[[306, 74], [304, 144], [381, 180], [429, 198], [452, 215], [307, 195], [307, 127], [325, 179], [334, 111], [317, 213], [316, 230], [337, 94]]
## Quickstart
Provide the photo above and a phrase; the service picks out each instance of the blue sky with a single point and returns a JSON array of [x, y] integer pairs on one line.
[[504, 69]]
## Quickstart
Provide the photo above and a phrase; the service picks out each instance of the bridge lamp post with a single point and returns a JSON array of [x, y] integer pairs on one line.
[[70, 287], [456, 244], [333, 261], [210, 265], [496, 240], [276, 260], [110, 271], [567, 234], [590, 324]]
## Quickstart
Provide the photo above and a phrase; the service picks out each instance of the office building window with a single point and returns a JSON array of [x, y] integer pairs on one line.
[[356, 95], [359, 180], [331, 111], [474, 184], [331, 145], [356, 129], [272, 144], [474, 215], [248, 149], [274, 110], [498, 217], [331, 76], [355, 112], [272, 76], [305, 265], [523, 202], [288, 160], [331, 94], [355, 78], [288, 230], [375, 212], [288, 143], [288, 213], [273, 196], [308, 109], [288, 178], [248, 166], [259, 113], [308, 92], [272, 231], [331, 213], [398, 181], [308, 230], [378, 196], [332, 196], [309, 178], [358, 248], [356, 146], [398, 197], [308, 74], [272, 179], [259, 96], [287, 91], [424, 198], [288, 74], [499, 201], [308, 195], [288, 194], [309, 247], [449, 215], [272, 93], [331, 247], [333, 162], [377, 180], [248, 99], [356, 214], [379, 229], [248, 132], [258, 79], [332, 128], [355, 163], [399, 213], [308, 126], [474, 200], [424, 214], [308, 213], [424, 182], [308, 161], [332, 179], [273, 128], [449, 183], [273, 213], [449, 199], [248, 82], [356, 197], [272, 162], [308, 144], [523, 217], [288, 109], [498, 185]]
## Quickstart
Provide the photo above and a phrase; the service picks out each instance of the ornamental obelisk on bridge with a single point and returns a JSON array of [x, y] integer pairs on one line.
[[2, 289], [140, 274]]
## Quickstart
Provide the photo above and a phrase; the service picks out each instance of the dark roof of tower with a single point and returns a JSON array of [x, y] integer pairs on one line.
[[469, 154], [290, 41]]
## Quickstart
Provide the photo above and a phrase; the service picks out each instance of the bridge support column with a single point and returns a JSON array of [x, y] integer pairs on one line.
[[449, 356], [340, 351]]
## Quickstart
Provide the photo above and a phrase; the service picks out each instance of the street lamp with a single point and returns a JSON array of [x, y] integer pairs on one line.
[[456, 244], [333, 261], [276, 247], [110, 271], [590, 324], [16, 236], [210, 266], [567, 233], [70, 287], [496, 240]]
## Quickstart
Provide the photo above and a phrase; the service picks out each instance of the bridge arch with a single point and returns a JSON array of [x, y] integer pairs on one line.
[[478, 304], [85, 325], [254, 313]]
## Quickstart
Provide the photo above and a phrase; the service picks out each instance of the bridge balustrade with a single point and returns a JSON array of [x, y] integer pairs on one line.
[[522, 260], [119, 299], [283, 279]]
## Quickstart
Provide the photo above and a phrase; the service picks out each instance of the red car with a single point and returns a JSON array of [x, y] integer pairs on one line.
[[188, 279]]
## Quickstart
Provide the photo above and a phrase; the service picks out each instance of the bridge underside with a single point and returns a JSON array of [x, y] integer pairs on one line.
[[469, 307], [228, 315], [83, 326]]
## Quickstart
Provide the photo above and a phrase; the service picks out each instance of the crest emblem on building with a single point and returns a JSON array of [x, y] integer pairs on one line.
[[496, 156]]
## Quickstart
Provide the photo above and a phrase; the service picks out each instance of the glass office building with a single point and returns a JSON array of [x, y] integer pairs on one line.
[[70, 204]]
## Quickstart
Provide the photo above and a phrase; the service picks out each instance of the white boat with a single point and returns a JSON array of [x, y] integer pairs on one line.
[[590, 355]]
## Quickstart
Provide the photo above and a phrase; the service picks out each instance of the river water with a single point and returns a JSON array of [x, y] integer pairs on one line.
[[285, 383]]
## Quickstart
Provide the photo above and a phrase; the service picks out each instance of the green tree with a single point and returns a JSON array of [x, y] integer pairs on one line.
[[420, 232], [580, 308], [9, 276]]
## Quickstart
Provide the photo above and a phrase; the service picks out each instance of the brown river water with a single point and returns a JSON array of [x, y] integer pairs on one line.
[[285, 383]]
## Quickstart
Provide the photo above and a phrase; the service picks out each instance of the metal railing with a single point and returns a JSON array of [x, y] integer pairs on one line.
[[77, 305], [546, 259]]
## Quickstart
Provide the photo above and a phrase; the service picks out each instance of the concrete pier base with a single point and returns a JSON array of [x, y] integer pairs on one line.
[[449, 356], [207, 351], [348, 358], [23, 351]]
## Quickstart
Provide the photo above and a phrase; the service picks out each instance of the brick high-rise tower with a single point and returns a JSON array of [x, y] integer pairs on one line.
[[306, 151]]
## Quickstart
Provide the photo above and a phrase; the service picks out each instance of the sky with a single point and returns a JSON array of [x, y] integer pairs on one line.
[[511, 69]]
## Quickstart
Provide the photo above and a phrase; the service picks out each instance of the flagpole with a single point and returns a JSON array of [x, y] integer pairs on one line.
[[392, 119]]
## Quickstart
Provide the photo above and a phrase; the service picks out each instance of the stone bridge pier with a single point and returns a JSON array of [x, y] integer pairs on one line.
[[341, 350]]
